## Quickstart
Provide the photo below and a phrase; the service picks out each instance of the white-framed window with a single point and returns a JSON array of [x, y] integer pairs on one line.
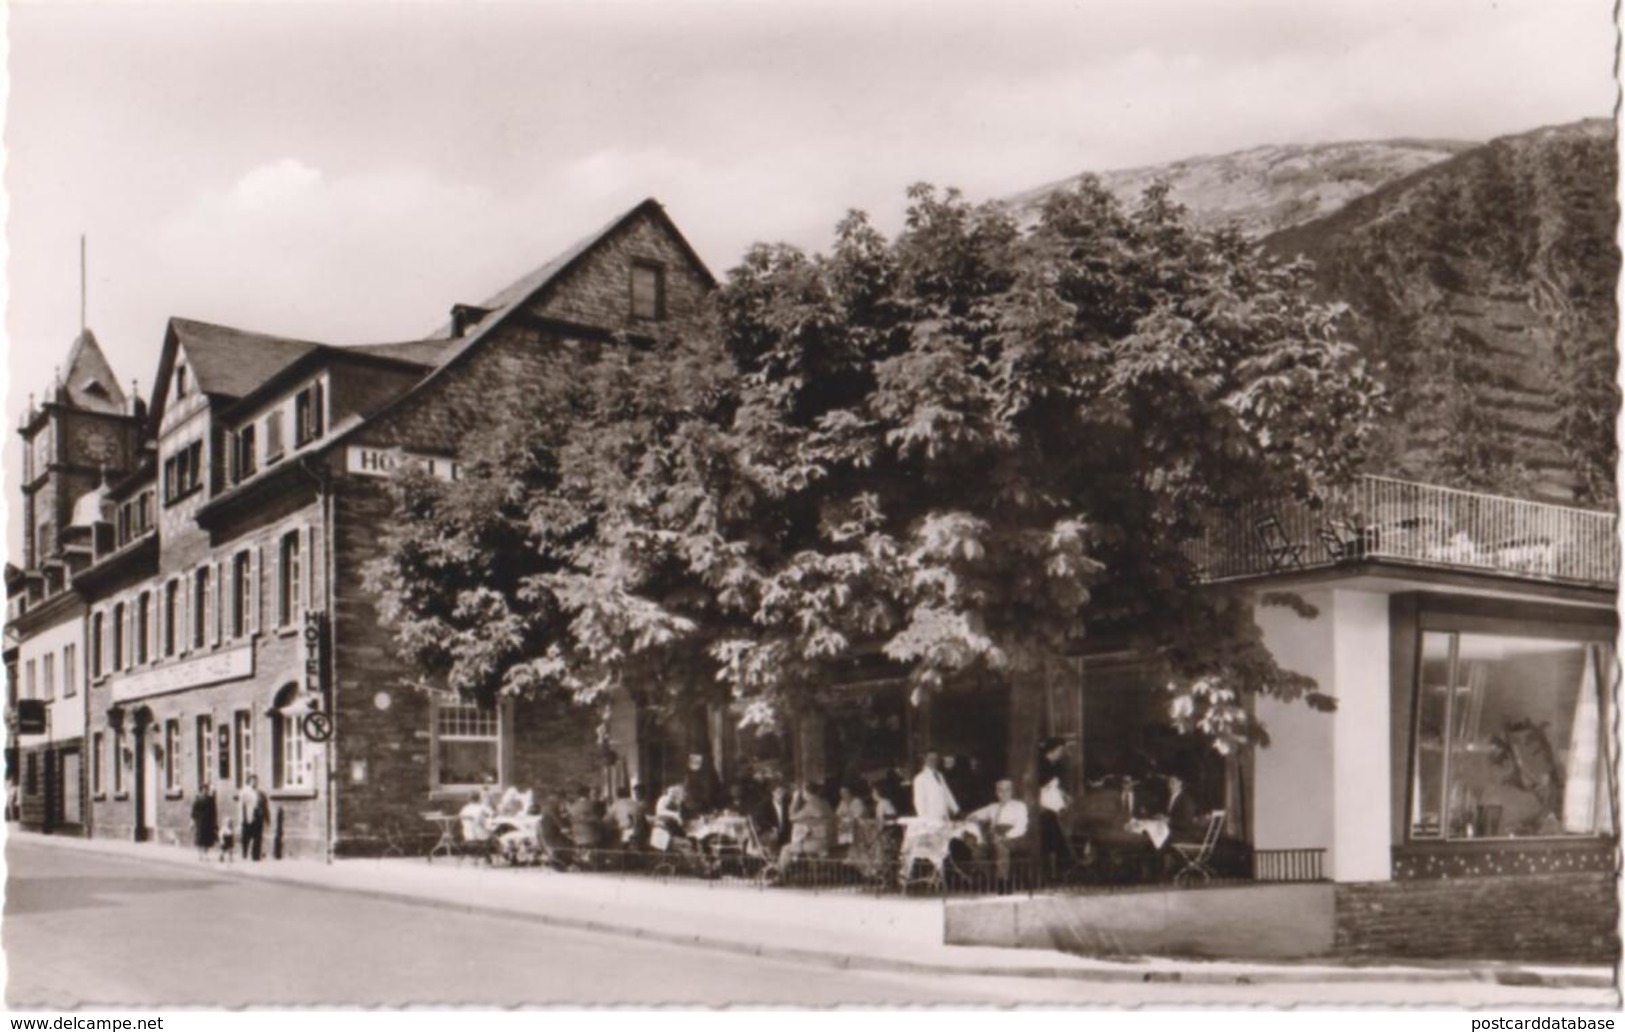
[[242, 594], [466, 744], [98, 757], [202, 606], [70, 671], [648, 291], [289, 762], [48, 677], [205, 750], [288, 579], [30, 680], [172, 755]]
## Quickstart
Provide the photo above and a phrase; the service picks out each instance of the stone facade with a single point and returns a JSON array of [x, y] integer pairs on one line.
[[1555, 918]]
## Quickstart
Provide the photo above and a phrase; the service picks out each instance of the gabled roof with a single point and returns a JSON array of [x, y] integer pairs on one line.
[[89, 381], [532, 283], [230, 363], [538, 282], [423, 352]]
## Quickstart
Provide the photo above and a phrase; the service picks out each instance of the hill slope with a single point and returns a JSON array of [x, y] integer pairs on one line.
[[1269, 188], [1485, 284]]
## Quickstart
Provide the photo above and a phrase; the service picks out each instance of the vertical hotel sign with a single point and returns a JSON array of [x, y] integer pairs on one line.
[[318, 723]]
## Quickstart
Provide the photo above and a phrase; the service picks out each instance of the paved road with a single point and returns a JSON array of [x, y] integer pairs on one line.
[[87, 929]]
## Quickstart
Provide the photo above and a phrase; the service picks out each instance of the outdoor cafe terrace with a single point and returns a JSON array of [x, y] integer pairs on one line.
[[1398, 522]]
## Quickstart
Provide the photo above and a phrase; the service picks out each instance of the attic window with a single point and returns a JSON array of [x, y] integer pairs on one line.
[[648, 291], [96, 387], [180, 381]]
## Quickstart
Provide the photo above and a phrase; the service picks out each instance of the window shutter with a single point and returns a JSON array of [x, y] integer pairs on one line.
[[317, 409], [219, 589]]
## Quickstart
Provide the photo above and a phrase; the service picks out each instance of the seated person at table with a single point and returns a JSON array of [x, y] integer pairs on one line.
[[476, 818], [626, 816], [848, 812], [670, 818], [812, 826], [586, 829], [1006, 822], [552, 840], [701, 787], [885, 809], [771, 816]]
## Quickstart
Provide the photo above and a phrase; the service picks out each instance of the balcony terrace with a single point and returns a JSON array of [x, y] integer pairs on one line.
[[1397, 522]]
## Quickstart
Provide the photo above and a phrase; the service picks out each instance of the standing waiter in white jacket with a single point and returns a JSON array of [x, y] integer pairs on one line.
[[933, 801]]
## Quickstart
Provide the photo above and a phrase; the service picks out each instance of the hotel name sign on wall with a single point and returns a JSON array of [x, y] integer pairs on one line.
[[383, 462], [228, 665]]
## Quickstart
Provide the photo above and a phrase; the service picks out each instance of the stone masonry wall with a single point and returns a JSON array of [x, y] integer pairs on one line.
[[1551, 918]]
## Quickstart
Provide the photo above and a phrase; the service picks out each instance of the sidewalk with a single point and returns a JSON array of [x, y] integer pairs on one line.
[[866, 932]]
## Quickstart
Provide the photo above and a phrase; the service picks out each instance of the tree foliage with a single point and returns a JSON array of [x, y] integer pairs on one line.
[[963, 447]]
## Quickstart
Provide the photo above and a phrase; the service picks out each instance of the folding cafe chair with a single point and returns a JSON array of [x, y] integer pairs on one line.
[[1197, 856]]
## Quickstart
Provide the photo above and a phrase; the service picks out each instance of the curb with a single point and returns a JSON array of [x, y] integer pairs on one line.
[[1126, 973]]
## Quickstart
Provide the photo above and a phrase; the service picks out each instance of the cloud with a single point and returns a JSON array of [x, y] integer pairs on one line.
[[274, 185]]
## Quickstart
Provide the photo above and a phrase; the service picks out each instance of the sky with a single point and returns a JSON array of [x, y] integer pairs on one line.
[[344, 172]]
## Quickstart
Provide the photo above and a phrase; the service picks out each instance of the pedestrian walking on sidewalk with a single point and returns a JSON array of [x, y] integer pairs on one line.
[[205, 821], [228, 841], [253, 808]]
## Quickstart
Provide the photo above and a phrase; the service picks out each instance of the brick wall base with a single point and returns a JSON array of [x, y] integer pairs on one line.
[[1567, 918]]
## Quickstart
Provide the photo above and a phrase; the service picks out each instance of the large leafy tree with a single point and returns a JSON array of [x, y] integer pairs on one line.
[[964, 447]]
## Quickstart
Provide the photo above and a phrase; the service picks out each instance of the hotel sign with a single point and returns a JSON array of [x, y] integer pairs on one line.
[[316, 725], [383, 462], [228, 665]]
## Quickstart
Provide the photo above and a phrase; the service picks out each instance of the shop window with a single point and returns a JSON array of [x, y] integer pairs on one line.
[[288, 579], [290, 769], [648, 291], [308, 415], [1511, 737], [48, 677], [143, 625], [205, 750], [31, 775], [70, 671], [202, 604], [466, 742], [243, 746], [98, 757], [241, 594], [172, 756]]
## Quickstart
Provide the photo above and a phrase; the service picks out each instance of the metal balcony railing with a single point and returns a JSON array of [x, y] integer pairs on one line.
[[1398, 521]]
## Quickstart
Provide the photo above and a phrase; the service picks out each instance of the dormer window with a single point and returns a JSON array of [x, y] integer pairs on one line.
[[308, 415], [244, 454], [180, 381], [183, 472], [648, 291], [273, 436]]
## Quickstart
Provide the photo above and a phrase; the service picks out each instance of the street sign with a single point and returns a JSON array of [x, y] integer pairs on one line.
[[317, 726], [31, 716]]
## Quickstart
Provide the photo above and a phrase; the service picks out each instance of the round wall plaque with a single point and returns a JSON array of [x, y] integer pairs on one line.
[[382, 700]]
